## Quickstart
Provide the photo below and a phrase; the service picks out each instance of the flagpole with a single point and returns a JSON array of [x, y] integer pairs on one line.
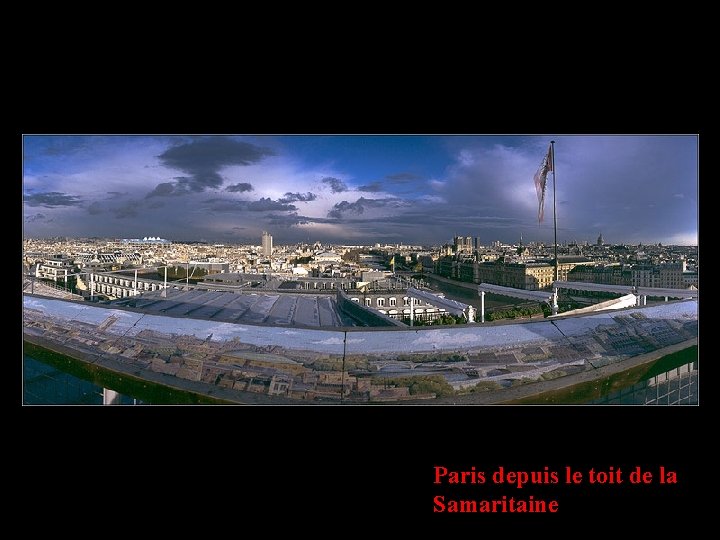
[[552, 157]]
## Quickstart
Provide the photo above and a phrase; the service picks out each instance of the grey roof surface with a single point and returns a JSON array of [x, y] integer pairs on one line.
[[253, 308]]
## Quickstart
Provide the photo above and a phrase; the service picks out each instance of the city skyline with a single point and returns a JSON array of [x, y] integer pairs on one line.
[[359, 189]]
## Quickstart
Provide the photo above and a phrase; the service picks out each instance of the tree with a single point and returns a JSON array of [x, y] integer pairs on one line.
[[447, 319]]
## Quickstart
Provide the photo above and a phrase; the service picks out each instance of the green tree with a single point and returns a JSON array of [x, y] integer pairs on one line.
[[352, 255]]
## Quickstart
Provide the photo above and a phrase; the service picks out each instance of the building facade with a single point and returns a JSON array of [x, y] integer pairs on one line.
[[463, 244], [667, 276], [606, 274], [396, 304], [531, 276], [56, 268], [267, 245]]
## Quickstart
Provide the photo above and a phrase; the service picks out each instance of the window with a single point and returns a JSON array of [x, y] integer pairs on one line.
[[381, 302], [368, 301], [406, 301], [355, 300], [392, 302]]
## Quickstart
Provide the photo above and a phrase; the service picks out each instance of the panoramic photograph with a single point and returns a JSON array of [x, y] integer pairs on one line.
[[360, 270]]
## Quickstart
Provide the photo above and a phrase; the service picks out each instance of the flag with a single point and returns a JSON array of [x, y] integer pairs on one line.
[[541, 179]]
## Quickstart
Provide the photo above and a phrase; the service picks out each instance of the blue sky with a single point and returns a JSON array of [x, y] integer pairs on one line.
[[358, 189]]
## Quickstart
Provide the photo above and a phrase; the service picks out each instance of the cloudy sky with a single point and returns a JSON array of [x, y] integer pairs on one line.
[[359, 189]]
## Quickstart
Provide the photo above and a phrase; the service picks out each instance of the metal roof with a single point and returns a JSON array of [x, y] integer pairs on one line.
[[254, 308]]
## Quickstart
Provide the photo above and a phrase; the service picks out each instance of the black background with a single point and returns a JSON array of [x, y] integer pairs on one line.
[[361, 469]]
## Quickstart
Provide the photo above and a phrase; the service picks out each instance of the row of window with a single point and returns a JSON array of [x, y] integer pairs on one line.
[[429, 315], [392, 302], [407, 311]]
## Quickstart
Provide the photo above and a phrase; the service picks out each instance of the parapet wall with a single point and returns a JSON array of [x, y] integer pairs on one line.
[[43, 315], [304, 363]]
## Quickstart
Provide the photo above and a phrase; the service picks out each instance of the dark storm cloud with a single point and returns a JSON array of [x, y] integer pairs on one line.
[[239, 188], [372, 187], [127, 210], [403, 177], [95, 208], [343, 207], [441, 219], [34, 218], [362, 204], [336, 185], [202, 159], [287, 220], [265, 204], [116, 194], [225, 205], [52, 199], [301, 197], [169, 189]]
